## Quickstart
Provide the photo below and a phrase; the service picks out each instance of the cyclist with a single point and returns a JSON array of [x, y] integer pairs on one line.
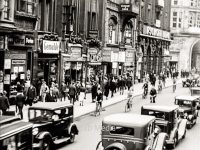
[[130, 97], [174, 84], [145, 87], [153, 94], [99, 98]]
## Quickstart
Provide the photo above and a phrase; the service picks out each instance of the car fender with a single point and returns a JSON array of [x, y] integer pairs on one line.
[[173, 134], [160, 141], [42, 135], [182, 127], [119, 146], [73, 127]]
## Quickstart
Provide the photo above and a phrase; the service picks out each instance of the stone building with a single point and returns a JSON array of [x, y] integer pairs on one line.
[[185, 27]]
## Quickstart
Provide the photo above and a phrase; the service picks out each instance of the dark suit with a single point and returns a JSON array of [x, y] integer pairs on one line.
[[20, 100], [4, 104], [31, 95]]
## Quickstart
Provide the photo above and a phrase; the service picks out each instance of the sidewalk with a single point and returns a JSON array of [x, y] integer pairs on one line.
[[89, 107]]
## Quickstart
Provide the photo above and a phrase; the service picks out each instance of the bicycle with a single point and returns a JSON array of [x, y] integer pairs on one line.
[[152, 98], [128, 105], [98, 108], [159, 87]]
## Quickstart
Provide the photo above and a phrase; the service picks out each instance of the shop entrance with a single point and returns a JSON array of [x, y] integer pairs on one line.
[[195, 59]]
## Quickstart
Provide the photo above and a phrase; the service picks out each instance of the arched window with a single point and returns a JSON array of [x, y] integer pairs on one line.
[[112, 31], [128, 32]]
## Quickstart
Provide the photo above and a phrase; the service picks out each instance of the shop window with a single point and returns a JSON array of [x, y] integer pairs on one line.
[[128, 33]]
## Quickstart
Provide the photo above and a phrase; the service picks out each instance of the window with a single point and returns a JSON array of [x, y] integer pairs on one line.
[[122, 130], [175, 2], [6, 9], [27, 6], [191, 20], [180, 20], [198, 20], [193, 3], [174, 21], [112, 31], [128, 33]]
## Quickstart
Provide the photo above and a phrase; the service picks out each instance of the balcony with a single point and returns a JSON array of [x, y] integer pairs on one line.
[[130, 9], [160, 3]]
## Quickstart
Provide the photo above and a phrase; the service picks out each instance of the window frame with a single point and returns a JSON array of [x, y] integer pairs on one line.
[[6, 9]]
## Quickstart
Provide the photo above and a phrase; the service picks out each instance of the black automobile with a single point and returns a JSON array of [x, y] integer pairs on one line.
[[187, 82], [189, 108], [53, 123]]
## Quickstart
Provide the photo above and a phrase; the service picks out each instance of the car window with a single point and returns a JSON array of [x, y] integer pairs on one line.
[[183, 103], [40, 115], [122, 130]]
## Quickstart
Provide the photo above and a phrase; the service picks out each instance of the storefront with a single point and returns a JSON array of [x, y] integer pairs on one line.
[[106, 61], [153, 43], [48, 62], [18, 61], [73, 64]]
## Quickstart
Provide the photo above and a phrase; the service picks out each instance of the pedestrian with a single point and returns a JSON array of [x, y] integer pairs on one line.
[[4, 103], [129, 83], [153, 94], [174, 85], [31, 95], [64, 90], [106, 88], [20, 101], [44, 90], [19, 87], [72, 93], [82, 96], [112, 88], [99, 97], [54, 92], [94, 91], [78, 90]]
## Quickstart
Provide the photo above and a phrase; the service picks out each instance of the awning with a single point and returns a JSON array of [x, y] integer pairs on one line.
[[154, 37]]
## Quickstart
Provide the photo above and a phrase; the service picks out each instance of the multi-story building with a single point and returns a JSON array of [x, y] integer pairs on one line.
[[154, 36], [185, 26]]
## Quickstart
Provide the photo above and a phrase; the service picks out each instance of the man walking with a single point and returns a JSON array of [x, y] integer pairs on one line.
[[4, 103], [20, 100], [31, 95], [43, 91], [153, 94], [72, 93]]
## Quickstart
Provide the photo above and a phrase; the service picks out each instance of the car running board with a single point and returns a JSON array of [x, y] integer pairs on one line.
[[62, 140]]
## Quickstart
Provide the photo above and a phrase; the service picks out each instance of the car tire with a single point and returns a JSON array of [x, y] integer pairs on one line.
[[189, 126], [46, 144], [175, 141], [72, 137]]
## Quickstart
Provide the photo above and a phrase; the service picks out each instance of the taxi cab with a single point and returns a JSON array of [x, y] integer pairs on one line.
[[189, 107], [15, 134], [130, 132], [168, 120]]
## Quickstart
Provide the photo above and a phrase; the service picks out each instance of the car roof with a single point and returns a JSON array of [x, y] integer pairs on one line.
[[162, 108], [50, 105], [128, 120], [187, 97]]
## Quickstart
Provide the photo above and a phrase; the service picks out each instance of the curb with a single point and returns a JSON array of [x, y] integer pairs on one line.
[[92, 111]]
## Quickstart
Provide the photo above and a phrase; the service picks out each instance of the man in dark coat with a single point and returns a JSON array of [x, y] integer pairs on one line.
[[20, 100], [31, 95], [106, 88], [4, 103], [94, 91], [72, 93], [129, 83]]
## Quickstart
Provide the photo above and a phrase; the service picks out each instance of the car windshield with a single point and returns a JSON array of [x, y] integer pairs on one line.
[[157, 114], [184, 103], [122, 130], [40, 115]]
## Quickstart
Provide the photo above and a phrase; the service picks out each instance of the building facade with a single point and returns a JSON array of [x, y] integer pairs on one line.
[[185, 26], [154, 36]]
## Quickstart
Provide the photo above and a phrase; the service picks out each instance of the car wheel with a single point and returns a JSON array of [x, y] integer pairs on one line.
[[189, 126], [46, 144], [175, 141], [72, 137]]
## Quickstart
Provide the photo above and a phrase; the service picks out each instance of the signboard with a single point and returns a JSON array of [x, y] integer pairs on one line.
[[18, 62], [125, 7], [7, 79], [114, 56], [76, 52], [93, 34], [17, 40], [29, 40], [130, 55], [7, 63], [51, 47], [106, 55], [122, 56], [18, 56]]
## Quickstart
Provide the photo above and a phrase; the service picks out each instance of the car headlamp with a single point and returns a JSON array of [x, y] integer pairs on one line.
[[35, 131], [190, 117]]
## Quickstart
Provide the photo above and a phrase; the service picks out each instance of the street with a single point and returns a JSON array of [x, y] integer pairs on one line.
[[90, 126]]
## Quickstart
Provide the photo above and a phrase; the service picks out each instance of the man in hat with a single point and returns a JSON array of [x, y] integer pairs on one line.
[[4, 103], [20, 100]]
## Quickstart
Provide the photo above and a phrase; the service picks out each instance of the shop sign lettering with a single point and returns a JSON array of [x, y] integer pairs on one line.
[[17, 40], [29, 40], [125, 7], [18, 62], [51, 47]]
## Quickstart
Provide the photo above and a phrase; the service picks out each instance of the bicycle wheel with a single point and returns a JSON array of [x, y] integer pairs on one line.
[[127, 108]]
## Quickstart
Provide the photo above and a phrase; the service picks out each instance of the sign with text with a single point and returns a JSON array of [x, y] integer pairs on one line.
[[125, 7], [17, 40], [106, 55], [93, 34], [18, 62], [51, 47], [114, 56]]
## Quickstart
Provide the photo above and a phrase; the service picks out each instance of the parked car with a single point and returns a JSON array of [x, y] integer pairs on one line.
[[189, 106], [131, 132], [168, 121], [15, 133], [53, 124]]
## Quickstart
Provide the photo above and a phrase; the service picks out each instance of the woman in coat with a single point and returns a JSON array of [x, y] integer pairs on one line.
[[106, 88]]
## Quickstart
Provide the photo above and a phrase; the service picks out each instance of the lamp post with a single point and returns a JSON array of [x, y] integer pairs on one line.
[[86, 62]]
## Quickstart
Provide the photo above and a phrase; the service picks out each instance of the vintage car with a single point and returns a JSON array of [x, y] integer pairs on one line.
[[15, 134], [187, 82], [130, 132], [53, 123], [168, 121], [189, 106]]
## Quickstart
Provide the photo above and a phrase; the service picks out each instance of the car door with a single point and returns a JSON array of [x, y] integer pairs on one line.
[[150, 134]]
